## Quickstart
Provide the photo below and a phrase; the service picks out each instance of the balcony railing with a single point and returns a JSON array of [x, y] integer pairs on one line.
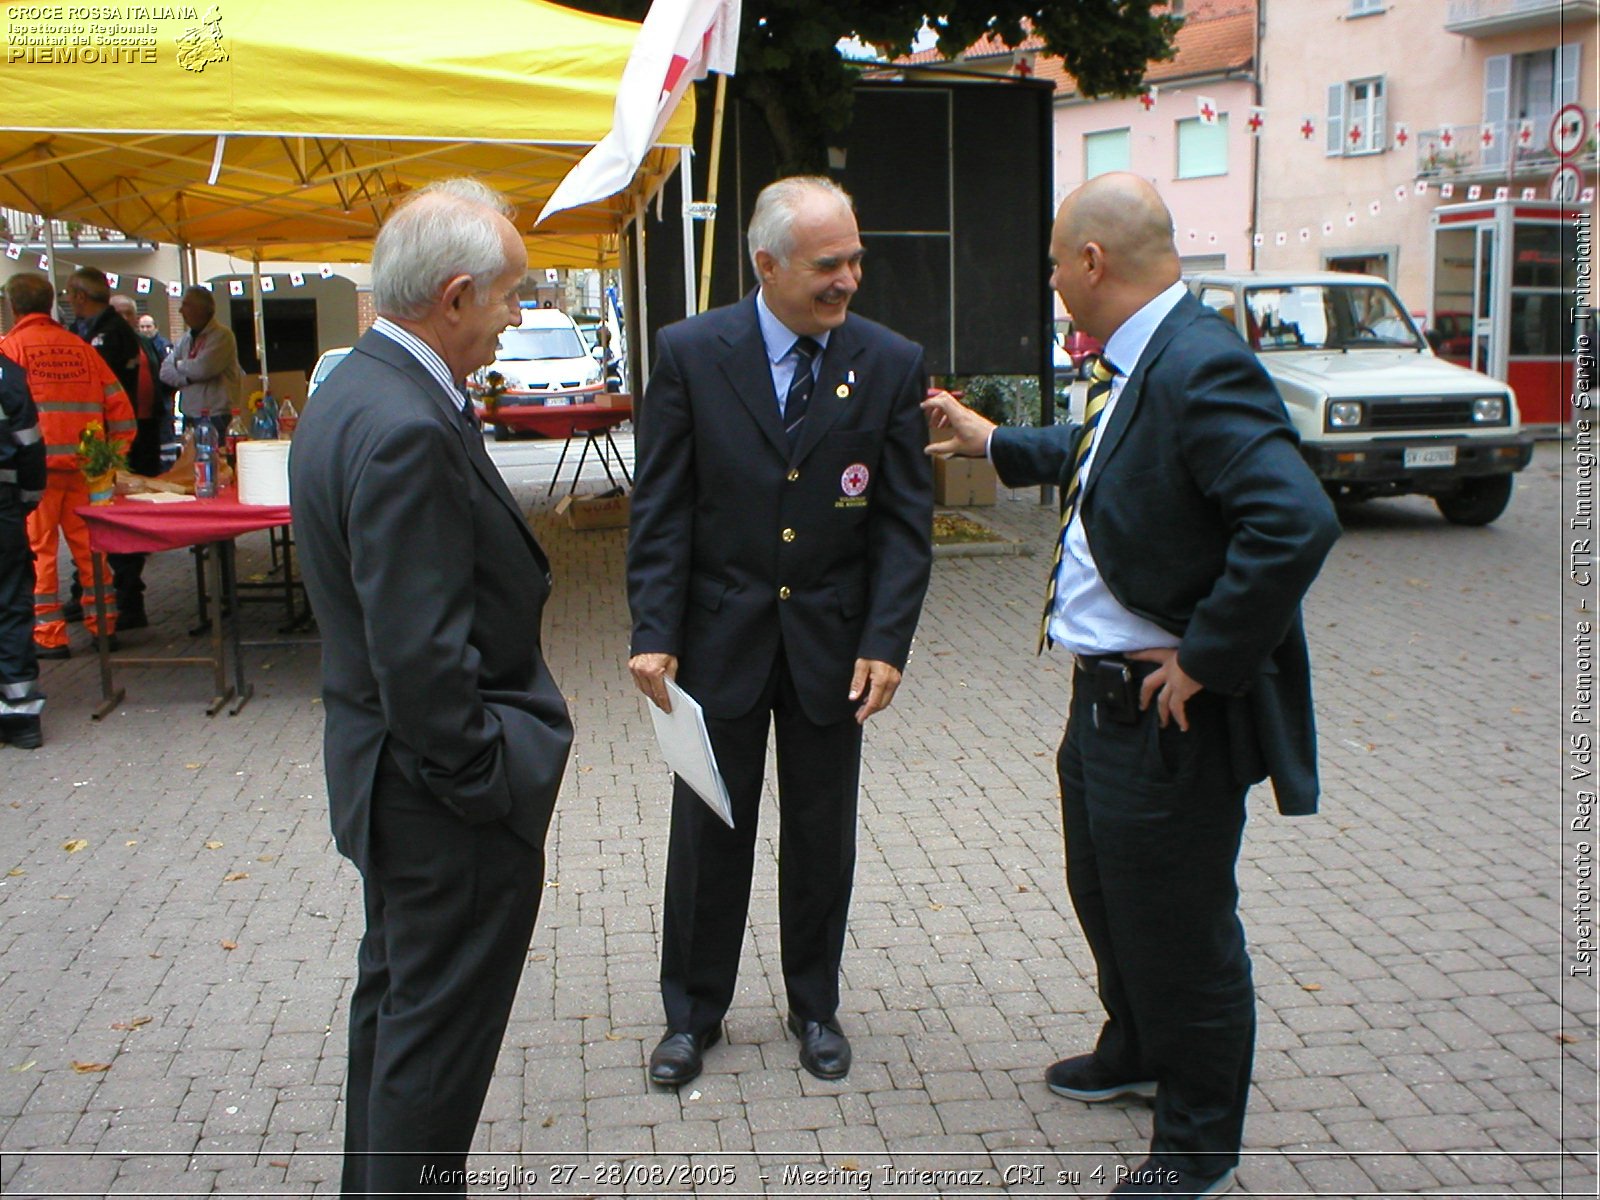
[[1454, 152], [27, 230], [1490, 18]]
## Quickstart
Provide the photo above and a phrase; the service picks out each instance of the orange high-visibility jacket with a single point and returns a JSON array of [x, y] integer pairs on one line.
[[71, 387]]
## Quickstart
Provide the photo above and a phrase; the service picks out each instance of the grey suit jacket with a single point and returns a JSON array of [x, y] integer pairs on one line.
[[429, 586]]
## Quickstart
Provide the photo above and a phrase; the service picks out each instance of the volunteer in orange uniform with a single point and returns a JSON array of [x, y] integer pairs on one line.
[[71, 386]]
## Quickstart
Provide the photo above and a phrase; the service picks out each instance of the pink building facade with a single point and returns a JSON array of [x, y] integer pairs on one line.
[[1376, 112], [1204, 171]]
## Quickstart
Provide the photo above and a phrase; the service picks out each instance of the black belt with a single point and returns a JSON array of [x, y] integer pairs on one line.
[[1088, 663]]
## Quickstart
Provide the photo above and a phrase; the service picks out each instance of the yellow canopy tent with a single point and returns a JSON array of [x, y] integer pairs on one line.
[[287, 130]]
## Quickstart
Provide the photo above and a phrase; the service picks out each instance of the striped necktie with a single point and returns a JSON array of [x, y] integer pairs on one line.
[[799, 395], [1094, 408]]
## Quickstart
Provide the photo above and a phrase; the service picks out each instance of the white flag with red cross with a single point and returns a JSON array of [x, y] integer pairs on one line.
[[1207, 108], [1487, 135], [678, 43], [1402, 134], [1147, 98], [1258, 118]]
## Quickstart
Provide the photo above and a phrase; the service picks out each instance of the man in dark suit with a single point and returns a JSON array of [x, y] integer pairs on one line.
[[780, 550], [1191, 530], [446, 737]]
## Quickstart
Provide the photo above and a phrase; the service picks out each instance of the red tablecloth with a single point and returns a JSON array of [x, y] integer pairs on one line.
[[138, 527], [561, 421]]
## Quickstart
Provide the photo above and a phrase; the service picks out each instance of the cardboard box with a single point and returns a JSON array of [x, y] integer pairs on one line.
[[593, 512], [963, 482], [614, 400]]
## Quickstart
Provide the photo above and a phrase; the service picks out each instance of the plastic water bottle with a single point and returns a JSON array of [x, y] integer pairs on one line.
[[205, 457]]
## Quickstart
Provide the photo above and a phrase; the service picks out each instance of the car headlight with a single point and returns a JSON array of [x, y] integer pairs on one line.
[[594, 374], [1489, 410], [1346, 414]]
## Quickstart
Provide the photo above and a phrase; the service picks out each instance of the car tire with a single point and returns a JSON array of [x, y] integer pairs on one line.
[[503, 434], [1478, 502]]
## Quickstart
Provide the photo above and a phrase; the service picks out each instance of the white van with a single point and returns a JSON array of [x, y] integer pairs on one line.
[[541, 363]]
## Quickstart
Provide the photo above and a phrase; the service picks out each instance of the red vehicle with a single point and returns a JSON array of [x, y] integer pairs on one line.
[[1075, 352]]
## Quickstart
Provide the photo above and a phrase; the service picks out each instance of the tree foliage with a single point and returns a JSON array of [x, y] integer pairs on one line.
[[790, 68]]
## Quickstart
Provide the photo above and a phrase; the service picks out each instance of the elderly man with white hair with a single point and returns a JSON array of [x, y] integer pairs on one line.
[[446, 737]]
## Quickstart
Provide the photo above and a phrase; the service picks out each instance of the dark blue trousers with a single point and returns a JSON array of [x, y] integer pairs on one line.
[[1153, 820]]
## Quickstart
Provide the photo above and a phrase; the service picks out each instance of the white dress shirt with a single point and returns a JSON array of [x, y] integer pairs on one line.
[[1086, 618]]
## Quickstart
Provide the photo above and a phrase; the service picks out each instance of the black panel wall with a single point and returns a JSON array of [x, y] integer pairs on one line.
[[951, 180]]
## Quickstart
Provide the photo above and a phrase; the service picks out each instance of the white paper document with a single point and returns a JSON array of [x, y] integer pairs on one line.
[[687, 748]]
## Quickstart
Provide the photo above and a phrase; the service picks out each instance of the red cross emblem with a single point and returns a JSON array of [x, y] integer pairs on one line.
[[1525, 134], [1207, 113], [1307, 129], [1022, 67], [1401, 136], [1148, 99], [1487, 137], [1446, 139], [1254, 122], [1355, 135], [854, 480]]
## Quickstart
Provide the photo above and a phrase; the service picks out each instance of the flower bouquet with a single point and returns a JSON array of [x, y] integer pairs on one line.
[[494, 386], [99, 460]]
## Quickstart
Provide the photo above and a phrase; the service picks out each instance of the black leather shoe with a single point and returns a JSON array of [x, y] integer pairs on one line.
[[678, 1057], [51, 651], [824, 1049], [1153, 1178], [24, 733], [1083, 1078]]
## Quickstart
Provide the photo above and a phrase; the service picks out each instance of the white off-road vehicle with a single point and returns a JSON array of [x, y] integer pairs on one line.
[[1378, 414]]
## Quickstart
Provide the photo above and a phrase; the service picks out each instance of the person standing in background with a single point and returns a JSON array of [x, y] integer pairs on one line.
[[22, 480], [72, 388], [204, 365]]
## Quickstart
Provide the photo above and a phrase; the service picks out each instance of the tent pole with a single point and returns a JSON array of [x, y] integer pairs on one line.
[[259, 315], [50, 265], [641, 314], [712, 173], [686, 182]]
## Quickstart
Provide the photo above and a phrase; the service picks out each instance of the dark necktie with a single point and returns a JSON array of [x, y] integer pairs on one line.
[[799, 397], [468, 413], [1094, 408]]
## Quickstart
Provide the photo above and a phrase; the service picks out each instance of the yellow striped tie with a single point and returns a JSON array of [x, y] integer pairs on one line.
[[1094, 407]]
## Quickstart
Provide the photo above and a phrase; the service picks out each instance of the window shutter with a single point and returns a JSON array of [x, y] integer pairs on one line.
[[1335, 119], [1496, 89], [1567, 74], [1378, 136]]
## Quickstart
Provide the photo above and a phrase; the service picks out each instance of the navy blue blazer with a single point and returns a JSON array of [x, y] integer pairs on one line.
[[739, 546], [1203, 518]]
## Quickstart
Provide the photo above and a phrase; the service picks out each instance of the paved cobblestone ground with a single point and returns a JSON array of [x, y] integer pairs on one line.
[[172, 994]]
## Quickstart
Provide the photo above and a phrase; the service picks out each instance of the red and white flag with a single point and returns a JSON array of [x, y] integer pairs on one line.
[[678, 43], [1206, 107], [1258, 118]]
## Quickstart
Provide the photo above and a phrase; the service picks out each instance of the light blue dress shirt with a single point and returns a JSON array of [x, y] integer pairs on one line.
[[781, 358]]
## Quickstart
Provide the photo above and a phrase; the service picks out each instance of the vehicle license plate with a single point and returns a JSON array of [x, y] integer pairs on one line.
[[563, 401], [1430, 456]]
